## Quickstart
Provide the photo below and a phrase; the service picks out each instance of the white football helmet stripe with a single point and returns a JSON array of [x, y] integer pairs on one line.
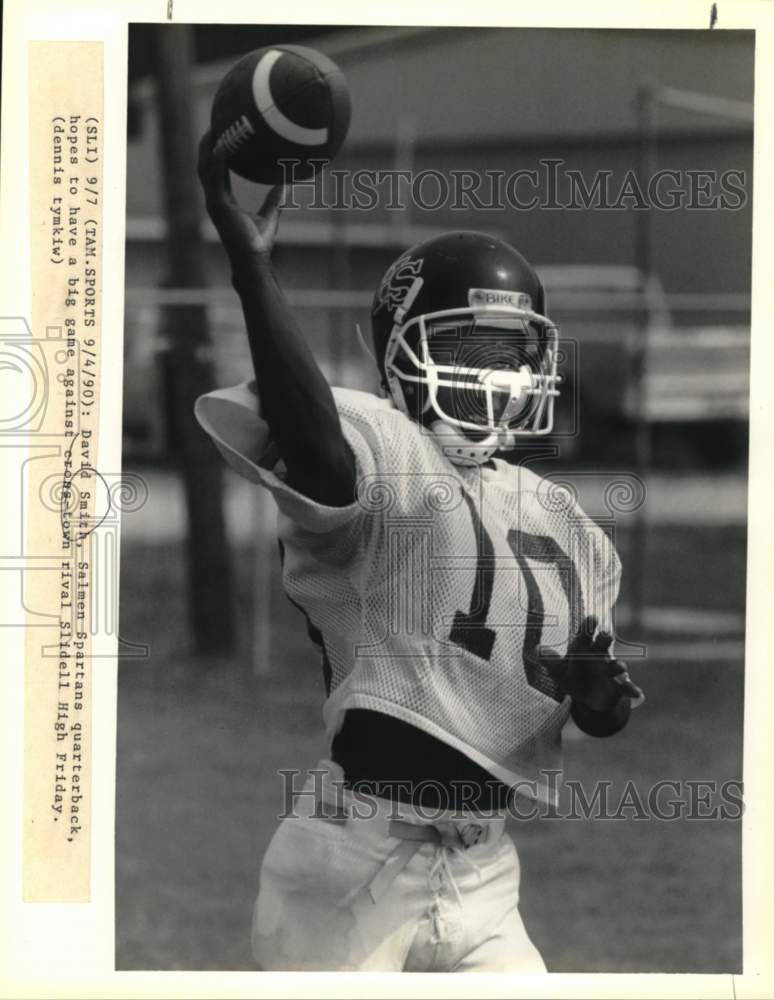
[[281, 124]]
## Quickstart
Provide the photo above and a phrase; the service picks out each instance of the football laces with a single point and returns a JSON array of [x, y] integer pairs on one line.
[[235, 135]]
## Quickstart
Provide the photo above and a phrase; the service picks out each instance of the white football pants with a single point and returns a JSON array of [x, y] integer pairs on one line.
[[449, 909]]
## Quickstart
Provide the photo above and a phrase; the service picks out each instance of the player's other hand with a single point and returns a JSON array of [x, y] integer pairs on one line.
[[589, 672], [241, 232]]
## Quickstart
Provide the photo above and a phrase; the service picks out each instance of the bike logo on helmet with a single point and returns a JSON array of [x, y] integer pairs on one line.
[[493, 297]]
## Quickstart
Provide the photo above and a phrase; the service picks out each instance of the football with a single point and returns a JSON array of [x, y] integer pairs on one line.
[[280, 103]]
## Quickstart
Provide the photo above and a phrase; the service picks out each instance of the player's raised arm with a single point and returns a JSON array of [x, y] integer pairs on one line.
[[296, 399]]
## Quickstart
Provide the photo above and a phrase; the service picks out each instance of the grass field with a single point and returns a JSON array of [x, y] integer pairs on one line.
[[199, 744]]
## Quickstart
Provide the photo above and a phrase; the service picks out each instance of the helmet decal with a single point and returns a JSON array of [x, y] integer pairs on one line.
[[397, 282], [483, 297]]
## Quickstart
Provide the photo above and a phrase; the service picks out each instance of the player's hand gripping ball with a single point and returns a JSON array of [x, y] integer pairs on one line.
[[284, 102], [589, 672]]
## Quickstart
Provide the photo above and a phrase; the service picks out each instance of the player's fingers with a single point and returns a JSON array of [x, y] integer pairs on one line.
[[221, 175], [225, 178], [216, 179], [272, 204], [629, 687], [210, 165], [583, 637], [620, 675], [205, 153], [602, 642]]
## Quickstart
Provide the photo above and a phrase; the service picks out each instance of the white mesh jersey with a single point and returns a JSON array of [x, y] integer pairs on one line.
[[432, 591]]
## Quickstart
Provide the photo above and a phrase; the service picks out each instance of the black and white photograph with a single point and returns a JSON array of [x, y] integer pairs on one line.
[[435, 435]]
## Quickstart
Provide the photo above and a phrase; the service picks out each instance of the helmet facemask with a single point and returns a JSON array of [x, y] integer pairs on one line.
[[479, 377]]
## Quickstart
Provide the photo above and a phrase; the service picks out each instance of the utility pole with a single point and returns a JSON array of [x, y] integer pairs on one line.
[[187, 356]]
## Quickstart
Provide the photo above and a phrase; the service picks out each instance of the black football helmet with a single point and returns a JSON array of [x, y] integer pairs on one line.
[[463, 344]]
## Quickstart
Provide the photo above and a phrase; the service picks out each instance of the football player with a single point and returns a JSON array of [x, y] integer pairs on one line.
[[462, 607]]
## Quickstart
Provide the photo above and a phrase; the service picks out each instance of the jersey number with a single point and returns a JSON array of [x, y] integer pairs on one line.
[[469, 629]]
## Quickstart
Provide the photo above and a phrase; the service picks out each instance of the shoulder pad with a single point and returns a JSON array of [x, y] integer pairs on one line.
[[356, 399]]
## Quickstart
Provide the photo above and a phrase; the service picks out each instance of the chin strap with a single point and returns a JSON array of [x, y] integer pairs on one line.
[[459, 449]]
